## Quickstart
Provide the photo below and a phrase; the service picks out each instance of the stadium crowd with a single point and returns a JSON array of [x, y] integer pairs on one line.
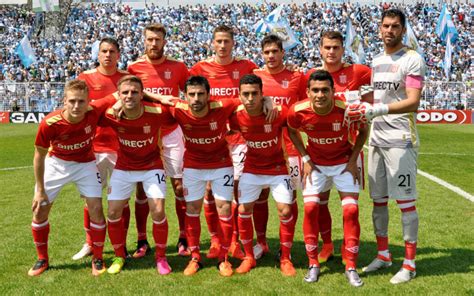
[[190, 34]]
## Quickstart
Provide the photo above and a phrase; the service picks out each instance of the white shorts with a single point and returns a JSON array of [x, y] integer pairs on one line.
[[222, 183], [250, 186], [329, 176], [295, 167], [105, 164], [238, 158], [392, 172], [173, 152], [58, 172], [122, 184]]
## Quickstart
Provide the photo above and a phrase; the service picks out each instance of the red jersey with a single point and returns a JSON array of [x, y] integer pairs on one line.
[[285, 88], [71, 141], [265, 154], [166, 78], [328, 139], [100, 86], [138, 138], [204, 137], [349, 77], [224, 81]]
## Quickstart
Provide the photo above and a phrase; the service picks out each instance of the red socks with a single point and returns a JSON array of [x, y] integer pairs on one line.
[[160, 234], [40, 237]]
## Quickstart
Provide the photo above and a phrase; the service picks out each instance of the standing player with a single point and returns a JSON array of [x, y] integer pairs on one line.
[[329, 159], [101, 82], [348, 80], [223, 71], [398, 81], [285, 87], [67, 134], [138, 161], [163, 76], [265, 165]]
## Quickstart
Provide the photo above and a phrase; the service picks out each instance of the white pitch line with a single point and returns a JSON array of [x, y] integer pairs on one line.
[[447, 154], [443, 183], [16, 168]]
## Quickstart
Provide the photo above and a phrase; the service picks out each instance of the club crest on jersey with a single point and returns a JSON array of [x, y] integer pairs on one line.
[[267, 128], [285, 83], [236, 74], [167, 74], [343, 79], [146, 129], [244, 129], [213, 125], [187, 126], [336, 126], [96, 87], [121, 130], [88, 129]]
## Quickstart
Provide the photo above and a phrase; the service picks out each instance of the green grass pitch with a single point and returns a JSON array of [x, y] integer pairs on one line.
[[445, 259]]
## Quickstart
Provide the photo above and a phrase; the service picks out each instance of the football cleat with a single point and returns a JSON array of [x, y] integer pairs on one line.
[[327, 253], [235, 251], [116, 266], [402, 276], [312, 275], [353, 278], [377, 264], [214, 250], [162, 266], [247, 264], [182, 247], [225, 268], [85, 251], [40, 266], [260, 250], [98, 267], [193, 266], [143, 248], [287, 268]]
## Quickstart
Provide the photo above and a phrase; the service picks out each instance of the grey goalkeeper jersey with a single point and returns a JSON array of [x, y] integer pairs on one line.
[[389, 74]]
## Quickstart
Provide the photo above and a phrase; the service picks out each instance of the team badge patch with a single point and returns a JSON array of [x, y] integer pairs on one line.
[[285, 83], [309, 127], [336, 126], [244, 129], [121, 130], [146, 129], [236, 74], [187, 127], [343, 79], [167, 74], [213, 125], [88, 129], [267, 128]]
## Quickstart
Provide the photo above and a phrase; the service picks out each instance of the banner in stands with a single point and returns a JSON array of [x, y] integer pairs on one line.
[[445, 116], [26, 117]]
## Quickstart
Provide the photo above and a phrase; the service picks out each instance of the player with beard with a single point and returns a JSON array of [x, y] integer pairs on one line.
[[397, 79], [163, 76]]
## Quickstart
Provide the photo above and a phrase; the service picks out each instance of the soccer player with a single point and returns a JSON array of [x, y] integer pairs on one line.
[[101, 82], [164, 76], [68, 135], [330, 158], [285, 87], [393, 146], [348, 81], [138, 161], [265, 165], [223, 71]]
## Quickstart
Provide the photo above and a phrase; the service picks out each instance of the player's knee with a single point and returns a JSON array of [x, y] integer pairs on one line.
[[41, 214], [284, 212], [114, 212], [246, 207], [193, 207], [223, 208]]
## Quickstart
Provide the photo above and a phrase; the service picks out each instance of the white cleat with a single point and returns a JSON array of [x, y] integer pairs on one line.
[[353, 278], [402, 276], [377, 264], [85, 251], [260, 250]]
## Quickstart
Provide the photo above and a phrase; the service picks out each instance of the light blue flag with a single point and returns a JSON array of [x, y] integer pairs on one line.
[[447, 58], [275, 15], [262, 25], [445, 26], [283, 30], [353, 44], [95, 50], [410, 39], [25, 52]]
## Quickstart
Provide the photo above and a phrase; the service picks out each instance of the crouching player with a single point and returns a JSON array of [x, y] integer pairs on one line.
[[68, 135], [138, 161], [329, 159], [265, 166]]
